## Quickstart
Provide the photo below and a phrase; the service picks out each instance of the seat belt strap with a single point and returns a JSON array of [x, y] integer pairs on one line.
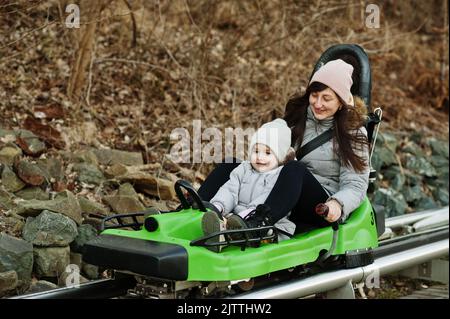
[[315, 143]]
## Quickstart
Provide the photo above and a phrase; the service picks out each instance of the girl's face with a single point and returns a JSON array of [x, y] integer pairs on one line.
[[262, 158], [324, 103]]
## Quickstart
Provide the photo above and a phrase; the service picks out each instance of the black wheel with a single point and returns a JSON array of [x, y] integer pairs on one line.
[[358, 258]]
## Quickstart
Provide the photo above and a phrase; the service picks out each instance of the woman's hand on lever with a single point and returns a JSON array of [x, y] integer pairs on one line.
[[335, 210]]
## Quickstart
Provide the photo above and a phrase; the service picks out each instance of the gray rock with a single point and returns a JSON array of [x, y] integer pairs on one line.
[[412, 194], [94, 222], [384, 157], [441, 164], [109, 157], [51, 168], [86, 156], [91, 271], [125, 201], [435, 182], [439, 161], [89, 173], [441, 194], [4, 133], [32, 145], [417, 136], [51, 261], [391, 172], [89, 207], [393, 201], [8, 281], [444, 177], [50, 229], [85, 233], [30, 173], [395, 176], [67, 205], [33, 193], [76, 259], [13, 224], [6, 199], [40, 286], [413, 179], [16, 254], [421, 166], [66, 156], [127, 190], [10, 181], [9, 153], [426, 203], [438, 147], [386, 139], [413, 148], [398, 182]]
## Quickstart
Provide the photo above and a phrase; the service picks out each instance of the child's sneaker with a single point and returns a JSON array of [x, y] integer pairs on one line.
[[259, 217], [236, 222], [212, 223]]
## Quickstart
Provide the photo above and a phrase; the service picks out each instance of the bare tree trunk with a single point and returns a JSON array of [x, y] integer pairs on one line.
[[90, 13]]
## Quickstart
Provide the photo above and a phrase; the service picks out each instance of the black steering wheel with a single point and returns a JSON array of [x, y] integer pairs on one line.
[[192, 192]]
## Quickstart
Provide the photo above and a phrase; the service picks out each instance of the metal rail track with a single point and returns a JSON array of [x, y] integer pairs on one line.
[[392, 255], [332, 280], [96, 289]]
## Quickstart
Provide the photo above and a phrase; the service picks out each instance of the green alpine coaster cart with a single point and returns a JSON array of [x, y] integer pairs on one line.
[[167, 253]]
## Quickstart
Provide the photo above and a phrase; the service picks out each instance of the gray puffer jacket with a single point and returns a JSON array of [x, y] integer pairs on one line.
[[247, 188], [342, 183]]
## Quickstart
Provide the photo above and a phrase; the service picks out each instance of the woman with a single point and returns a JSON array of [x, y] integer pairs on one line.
[[335, 173]]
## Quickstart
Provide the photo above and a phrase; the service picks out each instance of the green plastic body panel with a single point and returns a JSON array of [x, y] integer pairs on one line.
[[182, 227], [359, 230]]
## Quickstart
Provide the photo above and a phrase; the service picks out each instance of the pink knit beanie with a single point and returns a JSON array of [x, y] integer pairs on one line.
[[337, 75]]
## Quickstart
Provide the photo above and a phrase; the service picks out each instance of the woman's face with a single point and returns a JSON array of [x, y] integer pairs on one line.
[[324, 103], [262, 158]]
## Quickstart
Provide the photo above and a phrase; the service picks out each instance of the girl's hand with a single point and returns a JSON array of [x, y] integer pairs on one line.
[[244, 213], [335, 211]]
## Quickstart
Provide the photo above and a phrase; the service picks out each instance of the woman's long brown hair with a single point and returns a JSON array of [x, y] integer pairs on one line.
[[347, 137]]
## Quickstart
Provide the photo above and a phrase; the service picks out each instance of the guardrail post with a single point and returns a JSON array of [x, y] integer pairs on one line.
[[344, 292], [433, 270]]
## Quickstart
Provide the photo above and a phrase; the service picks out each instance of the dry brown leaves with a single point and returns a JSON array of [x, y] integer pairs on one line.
[[44, 131], [230, 64]]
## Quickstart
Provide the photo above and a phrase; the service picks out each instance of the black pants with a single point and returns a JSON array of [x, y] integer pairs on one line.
[[295, 190]]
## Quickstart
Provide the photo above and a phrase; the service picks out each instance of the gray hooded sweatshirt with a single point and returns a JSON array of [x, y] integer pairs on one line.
[[247, 188], [342, 183]]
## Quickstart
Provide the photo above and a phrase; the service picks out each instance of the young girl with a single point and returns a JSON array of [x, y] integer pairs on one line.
[[239, 201]]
